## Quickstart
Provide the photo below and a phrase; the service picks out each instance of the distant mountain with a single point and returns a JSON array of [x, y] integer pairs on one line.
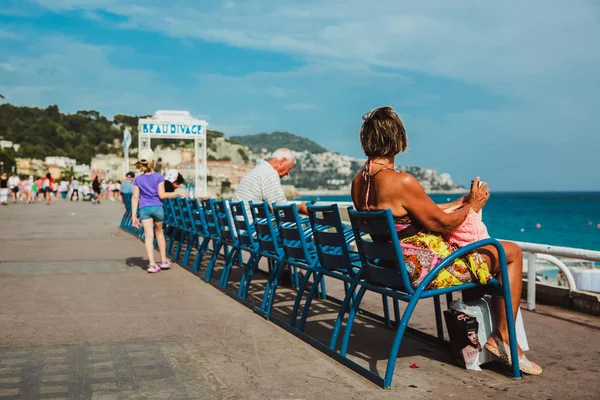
[[276, 140]]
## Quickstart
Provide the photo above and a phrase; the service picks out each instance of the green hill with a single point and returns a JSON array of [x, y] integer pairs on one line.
[[276, 140], [48, 132]]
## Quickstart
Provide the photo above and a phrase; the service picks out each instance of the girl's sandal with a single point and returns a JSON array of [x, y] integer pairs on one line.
[[502, 351], [153, 268]]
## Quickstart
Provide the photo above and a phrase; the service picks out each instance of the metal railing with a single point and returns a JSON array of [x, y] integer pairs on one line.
[[549, 253], [534, 251]]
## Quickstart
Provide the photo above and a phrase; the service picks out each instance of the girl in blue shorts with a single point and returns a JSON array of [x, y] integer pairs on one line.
[[148, 191]]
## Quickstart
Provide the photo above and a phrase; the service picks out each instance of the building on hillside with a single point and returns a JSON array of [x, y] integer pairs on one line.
[[6, 144], [62, 162], [82, 171], [30, 166], [54, 170], [110, 166], [169, 158], [219, 171]]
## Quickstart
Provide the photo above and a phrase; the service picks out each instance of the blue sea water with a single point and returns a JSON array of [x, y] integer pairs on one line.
[[570, 219]]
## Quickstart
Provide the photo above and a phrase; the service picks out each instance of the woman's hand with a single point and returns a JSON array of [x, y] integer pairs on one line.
[[479, 195], [136, 222]]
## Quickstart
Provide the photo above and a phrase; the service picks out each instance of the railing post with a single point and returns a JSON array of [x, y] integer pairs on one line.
[[531, 259]]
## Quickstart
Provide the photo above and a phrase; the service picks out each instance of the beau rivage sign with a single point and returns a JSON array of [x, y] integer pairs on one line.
[[172, 124]]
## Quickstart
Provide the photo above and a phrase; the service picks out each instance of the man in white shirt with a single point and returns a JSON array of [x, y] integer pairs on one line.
[[13, 186], [74, 188], [263, 183]]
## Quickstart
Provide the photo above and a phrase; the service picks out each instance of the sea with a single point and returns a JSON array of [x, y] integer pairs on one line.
[[569, 219]]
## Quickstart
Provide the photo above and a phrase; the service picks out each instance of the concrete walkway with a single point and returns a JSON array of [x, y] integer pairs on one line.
[[80, 319]]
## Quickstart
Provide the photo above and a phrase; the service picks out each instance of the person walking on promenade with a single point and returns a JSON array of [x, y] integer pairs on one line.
[[48, 187], [4, 189], [28, 188], [263, 183], [34, 190], [148, 193], [127, 185], [74, 188], [13, 185], [97, 190], [422, 224]]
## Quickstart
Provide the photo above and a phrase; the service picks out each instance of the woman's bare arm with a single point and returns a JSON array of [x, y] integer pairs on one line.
[[164, 195], [412, 197]]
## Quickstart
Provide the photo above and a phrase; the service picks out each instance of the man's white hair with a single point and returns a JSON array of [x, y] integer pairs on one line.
[[283, 153]]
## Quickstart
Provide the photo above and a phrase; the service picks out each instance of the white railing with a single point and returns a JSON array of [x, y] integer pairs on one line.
[[548, 253], [535, 251]]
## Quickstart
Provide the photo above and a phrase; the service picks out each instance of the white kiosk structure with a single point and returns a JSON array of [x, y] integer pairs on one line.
[[178, 125]]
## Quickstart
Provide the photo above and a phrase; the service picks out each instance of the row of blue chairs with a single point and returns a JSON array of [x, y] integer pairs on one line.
[[320, 246]]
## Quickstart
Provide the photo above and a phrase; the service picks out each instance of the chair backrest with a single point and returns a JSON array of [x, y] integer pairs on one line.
[[197, 214], [296, 239], [184, 214], [331, 238], [266, 231], [208, 205], [127, 201], [224, 222], [171, 215], [379, 248], [243, 227]]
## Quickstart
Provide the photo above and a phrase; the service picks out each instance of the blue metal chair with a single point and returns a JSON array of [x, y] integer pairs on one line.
[[183, 223], [246, 241], [229, 238], [174, 223], [126, 222], [269, 246], [200, 231], [386, 273], [210, 215], [332, 240], [299, 252]]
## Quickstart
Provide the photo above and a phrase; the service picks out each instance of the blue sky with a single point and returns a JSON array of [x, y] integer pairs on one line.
[[509, 91]]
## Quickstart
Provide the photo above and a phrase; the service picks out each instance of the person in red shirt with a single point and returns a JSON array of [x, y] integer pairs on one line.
[[48, 187]]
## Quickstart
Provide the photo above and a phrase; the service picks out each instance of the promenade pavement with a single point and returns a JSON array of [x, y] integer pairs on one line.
[[81, 319]]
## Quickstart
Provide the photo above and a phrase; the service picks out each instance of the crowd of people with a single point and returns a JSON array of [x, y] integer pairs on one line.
[[30, 189]]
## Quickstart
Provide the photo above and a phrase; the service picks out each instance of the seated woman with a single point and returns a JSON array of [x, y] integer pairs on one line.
[[422, 225]]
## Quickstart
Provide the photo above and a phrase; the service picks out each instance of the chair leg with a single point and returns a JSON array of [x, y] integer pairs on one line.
[[351, 317], [386, 310], [278, 272], [228, 266], [246, 275], [270, 281], [309, 299], [323, 288], [350, 297], [217, 244], [438, 318], [449, 299], [182, 239], [396, 312], [301, 288], [171, 241], [188, 249], [200, 254], [389, 372]]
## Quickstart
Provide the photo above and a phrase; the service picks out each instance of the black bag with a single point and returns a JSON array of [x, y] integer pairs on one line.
[[462, 329]]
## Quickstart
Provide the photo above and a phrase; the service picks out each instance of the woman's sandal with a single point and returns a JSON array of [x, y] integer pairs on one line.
[[502, 351], [153, 268]]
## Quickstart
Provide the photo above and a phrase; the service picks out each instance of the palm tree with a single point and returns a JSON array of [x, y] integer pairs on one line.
[[1, 97]]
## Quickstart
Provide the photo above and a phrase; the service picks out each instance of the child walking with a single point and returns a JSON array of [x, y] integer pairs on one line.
[[148, 191]]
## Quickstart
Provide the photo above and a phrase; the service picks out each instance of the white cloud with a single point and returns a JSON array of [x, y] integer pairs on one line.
[[299, 106], [7, 67]]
